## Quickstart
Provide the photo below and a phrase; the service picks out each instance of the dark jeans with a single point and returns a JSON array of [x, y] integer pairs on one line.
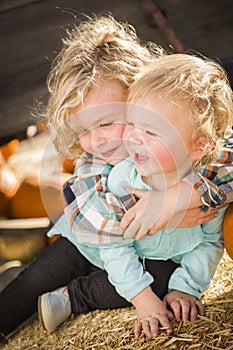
[[61, 264]]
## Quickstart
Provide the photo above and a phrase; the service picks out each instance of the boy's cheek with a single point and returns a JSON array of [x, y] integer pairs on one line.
[[85, 145], [125, 133], [118, 132]]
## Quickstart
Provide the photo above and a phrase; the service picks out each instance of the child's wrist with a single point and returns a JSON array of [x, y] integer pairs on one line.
[[210, 194], [139, 298], [181, 197]]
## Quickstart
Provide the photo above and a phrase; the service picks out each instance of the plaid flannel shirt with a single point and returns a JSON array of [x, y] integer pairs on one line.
[[214, 182], [94, 213]]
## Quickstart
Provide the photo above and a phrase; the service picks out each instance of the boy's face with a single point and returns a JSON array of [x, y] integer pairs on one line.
[[157, 137], [101, 121]]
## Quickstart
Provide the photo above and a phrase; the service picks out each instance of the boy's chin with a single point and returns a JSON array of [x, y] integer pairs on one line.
[[115, 160]]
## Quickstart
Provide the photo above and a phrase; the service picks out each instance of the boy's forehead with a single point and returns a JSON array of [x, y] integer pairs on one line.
[[94, 116]]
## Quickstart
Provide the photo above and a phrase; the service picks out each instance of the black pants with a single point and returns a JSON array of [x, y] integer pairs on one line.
[[61, 264]]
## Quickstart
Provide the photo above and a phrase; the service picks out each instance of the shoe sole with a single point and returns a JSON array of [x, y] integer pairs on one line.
[[45, 314]]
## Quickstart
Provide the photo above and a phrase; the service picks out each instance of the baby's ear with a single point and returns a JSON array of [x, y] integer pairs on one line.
[[202, 147]]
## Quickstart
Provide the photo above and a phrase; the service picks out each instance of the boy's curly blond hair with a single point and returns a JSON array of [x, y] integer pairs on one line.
[[98, 48], [198, 85]]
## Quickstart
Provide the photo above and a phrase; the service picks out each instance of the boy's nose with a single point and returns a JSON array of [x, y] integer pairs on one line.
[[97, 137]]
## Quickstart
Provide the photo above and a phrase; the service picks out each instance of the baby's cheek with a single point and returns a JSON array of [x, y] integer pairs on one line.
[[163, 156]]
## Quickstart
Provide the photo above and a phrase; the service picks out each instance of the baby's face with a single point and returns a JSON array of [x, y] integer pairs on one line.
[[101, 122], [157, 136]]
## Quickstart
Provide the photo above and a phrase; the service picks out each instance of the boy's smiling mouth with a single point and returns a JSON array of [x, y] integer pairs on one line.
[[109, 153]]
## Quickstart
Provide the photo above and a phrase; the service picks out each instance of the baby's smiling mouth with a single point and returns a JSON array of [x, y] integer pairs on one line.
[[140, 159]]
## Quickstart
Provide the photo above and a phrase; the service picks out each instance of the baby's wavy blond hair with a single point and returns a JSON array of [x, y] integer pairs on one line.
[[98, 48], [197, 84]]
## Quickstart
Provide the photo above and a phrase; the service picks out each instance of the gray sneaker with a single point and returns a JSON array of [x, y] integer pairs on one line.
[[53, 309]]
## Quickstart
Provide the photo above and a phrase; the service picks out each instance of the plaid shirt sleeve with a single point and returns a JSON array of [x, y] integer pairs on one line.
[[214, 182], [94, 214]]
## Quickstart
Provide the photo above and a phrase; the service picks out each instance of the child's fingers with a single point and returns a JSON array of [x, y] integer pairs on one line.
[[150, 326], [200, 307], [188, 307], [146, 327], [207, 218], [176, 308], [132, 229], [154, 327], [127, 218], [191, 309], [137, 329], [137, 193]]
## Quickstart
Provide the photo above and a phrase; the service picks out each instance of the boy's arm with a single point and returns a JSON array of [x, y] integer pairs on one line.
[[157, 210], [214, 182], [208, 188]]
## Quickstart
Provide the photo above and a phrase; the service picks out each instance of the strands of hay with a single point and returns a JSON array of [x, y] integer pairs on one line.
[[113, 330]]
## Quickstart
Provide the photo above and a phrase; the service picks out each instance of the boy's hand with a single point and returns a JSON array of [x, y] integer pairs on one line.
[[185, 307], [151, 313], [148, 212]]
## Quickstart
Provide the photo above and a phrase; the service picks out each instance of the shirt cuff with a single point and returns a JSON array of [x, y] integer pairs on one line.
[[211, 195]]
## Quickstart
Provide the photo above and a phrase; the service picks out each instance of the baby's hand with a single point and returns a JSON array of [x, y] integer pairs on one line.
[[150, 325], [151, 313], [185, 307]]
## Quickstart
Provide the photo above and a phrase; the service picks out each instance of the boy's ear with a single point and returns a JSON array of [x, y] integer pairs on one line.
[[202, 147]]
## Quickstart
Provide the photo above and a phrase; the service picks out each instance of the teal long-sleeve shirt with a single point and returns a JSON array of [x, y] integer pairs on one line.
[[197, 249]]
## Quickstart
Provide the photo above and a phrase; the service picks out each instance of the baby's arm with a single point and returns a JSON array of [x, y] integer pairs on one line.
[[197, 268], [151, 312], [126, 273]]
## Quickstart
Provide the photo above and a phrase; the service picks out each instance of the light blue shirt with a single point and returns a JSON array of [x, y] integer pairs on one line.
[[198, 249]]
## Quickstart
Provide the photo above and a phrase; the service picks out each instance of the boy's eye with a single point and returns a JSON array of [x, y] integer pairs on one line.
[[82, 131], [105, 125]]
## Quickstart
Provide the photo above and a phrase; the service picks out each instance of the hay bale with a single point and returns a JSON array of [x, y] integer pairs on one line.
[[113, 330]]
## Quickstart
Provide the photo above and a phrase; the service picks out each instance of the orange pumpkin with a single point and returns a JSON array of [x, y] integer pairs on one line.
[[68, 165], [34, 201], [9, 148], [27, 202], [228, 230]]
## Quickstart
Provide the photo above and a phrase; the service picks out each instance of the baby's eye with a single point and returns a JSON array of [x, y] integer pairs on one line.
[[130, 124], [151, 133]]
